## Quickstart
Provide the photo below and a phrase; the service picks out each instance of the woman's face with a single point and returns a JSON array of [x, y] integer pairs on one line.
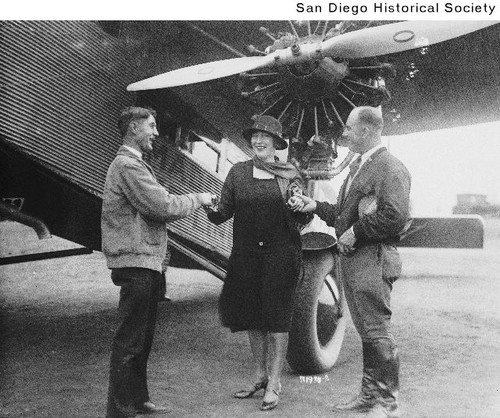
[[263, 145]]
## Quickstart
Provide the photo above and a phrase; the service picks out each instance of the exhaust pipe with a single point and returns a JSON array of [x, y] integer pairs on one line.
[[10, 212], [327, 173]]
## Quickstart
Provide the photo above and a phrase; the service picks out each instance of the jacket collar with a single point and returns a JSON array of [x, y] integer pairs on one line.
[[356, 178], [123, 150], [373, 156], [133, 151]]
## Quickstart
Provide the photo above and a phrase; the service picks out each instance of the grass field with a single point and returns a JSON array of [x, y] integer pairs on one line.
[[58, 318]]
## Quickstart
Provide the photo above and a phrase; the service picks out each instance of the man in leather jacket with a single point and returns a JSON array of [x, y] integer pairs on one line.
[[369, 217]]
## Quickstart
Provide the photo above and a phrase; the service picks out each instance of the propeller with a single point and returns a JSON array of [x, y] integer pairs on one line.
[[368, 42], [202, 72], [397, 37]]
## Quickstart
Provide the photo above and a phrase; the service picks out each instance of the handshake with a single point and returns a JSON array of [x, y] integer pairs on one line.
[[297, 202], [300, 203], [210, 202]]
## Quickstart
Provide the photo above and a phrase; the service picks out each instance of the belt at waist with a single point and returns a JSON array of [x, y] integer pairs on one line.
[[263, 243]]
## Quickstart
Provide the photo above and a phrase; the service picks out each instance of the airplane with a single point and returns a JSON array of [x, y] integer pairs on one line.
[[64, 83]]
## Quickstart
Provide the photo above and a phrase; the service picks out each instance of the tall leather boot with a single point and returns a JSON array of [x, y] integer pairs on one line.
[[367, 397], [386, 380]]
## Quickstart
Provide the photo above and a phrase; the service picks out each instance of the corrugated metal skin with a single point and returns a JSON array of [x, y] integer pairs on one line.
[[62, 86], [183, 175], [60, 95]]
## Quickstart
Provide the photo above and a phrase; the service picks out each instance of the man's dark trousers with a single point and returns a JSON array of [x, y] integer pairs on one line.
[[133, 339], [368, 275]]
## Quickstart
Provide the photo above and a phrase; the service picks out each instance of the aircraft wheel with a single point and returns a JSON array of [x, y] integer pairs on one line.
[[319, 321]]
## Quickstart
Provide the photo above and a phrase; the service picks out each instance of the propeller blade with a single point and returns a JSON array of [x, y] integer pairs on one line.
[[397, 37], [202, 72]]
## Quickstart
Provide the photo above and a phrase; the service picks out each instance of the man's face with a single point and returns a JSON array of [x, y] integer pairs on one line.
[[145, 133], [354, 134]]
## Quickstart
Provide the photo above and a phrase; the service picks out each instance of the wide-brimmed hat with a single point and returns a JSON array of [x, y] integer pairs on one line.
[[269, 125]]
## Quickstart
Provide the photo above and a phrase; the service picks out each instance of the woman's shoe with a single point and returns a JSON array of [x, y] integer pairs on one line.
[[242, 394], [268, 405]]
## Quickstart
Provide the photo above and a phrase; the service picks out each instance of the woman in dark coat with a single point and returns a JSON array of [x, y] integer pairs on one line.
[[265, 261]]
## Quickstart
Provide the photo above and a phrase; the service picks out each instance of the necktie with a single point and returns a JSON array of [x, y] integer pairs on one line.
[[354, 167]]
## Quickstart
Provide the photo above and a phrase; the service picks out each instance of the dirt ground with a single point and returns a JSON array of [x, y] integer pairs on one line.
[[58, 318]]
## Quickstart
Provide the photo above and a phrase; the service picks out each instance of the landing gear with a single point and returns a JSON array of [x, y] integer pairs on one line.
[[319, 318]]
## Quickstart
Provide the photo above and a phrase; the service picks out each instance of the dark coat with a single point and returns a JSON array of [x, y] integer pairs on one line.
[[369, 272], [238, 175], [265, 260], [387, 179]]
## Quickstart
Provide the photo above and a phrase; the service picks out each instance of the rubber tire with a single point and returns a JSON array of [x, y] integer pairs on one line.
[[310, 352]]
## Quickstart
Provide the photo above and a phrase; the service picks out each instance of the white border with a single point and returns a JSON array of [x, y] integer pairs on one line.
[[252, 10]]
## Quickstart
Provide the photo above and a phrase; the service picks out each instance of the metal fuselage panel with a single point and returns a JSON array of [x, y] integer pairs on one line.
[[62, 87]]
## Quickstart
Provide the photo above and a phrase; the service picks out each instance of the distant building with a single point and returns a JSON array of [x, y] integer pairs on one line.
[[475, 204]]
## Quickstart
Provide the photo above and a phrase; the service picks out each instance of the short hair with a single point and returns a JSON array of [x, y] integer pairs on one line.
[[371, 116], [130, 114]]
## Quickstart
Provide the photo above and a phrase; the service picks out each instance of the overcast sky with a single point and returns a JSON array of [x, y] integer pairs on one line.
[[448, 162]]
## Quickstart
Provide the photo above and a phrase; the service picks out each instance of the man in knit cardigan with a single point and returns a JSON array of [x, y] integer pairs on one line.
[[134, 240]]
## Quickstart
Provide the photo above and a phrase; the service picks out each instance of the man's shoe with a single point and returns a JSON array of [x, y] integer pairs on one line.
[[382, 410], [361, 403], [150, 408]]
